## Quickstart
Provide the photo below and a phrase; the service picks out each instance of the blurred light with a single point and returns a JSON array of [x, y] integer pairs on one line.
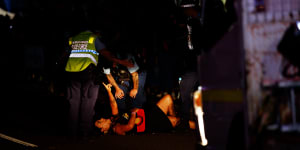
[[224, 2], [199, 113], [9, 14], [187, 5], [298, 25]]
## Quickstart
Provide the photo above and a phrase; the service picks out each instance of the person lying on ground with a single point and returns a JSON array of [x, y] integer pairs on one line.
[[156, 118]]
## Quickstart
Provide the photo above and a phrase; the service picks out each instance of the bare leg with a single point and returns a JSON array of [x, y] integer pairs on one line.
[[171, 110], [164, 103], [167, 106], [174, 120]]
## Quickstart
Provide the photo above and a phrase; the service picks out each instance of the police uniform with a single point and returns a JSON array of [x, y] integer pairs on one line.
[[82, 92], [122, 76]]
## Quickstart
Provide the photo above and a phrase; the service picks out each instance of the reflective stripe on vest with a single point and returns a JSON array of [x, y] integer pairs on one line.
[[78, 55], [85, 51]]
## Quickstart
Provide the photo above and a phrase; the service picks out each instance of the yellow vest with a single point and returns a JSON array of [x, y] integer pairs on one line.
[[83, 52]]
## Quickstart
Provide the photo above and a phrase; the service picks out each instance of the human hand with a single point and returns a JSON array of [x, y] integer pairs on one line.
[[119, 93], [107, 86], [133, 93]]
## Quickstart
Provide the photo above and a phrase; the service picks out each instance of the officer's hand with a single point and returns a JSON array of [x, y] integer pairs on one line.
[[119, 93], [133, 93]]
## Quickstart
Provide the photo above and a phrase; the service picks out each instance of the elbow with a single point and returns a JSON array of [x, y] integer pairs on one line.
[[130, 126]]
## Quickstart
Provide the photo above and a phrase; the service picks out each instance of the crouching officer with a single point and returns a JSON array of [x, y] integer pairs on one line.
[[127, 81]]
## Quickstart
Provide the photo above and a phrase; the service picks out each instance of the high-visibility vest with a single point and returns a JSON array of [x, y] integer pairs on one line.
[[83, 52]]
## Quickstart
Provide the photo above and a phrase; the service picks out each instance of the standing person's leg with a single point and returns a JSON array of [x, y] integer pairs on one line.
[[73, 97], [140, 99], [87, 109], [187, 85]]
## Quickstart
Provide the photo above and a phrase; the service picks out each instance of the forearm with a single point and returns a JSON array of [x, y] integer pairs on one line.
[[112, 81], [109, 56], [135, 80], [113, 103]]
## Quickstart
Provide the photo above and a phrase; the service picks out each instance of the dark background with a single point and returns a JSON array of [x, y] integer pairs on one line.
[[38, 33], [32, 104]]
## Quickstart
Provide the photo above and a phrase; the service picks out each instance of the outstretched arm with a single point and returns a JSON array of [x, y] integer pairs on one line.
[[112, 100]]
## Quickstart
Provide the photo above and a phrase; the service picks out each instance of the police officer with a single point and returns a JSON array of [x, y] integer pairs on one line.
[[82, 91], [128, 83]]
